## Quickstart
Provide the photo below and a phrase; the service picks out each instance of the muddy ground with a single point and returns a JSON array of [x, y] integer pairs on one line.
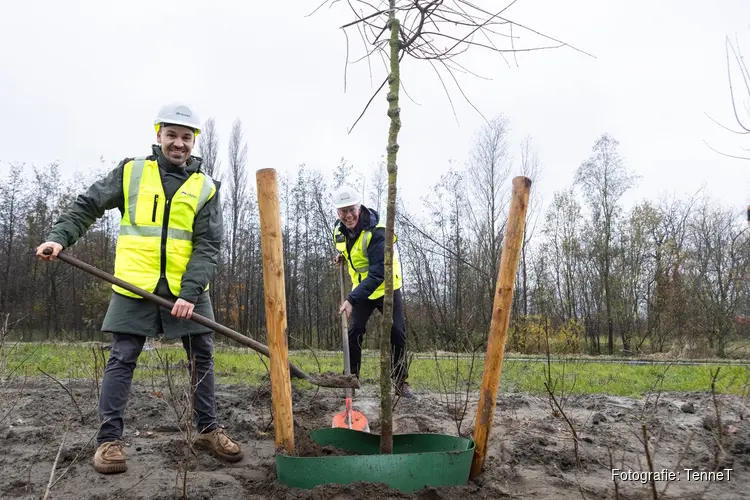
[[531, 453]]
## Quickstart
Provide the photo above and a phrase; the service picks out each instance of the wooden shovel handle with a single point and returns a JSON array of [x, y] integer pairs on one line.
[[168, 304]]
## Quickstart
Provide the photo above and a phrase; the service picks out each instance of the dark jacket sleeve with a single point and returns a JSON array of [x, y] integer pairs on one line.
[[376, 271], [208, 232], [103, 195]]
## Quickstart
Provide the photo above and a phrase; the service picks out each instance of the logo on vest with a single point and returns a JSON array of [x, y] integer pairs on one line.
[[191, 195]]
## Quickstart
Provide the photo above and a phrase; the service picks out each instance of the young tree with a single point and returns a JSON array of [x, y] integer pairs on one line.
[[436, 31]]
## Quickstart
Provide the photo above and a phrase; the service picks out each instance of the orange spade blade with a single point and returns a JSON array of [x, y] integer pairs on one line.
[[358, 420]]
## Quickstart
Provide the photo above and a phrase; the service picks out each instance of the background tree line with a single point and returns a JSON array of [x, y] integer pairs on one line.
[[667, 275]]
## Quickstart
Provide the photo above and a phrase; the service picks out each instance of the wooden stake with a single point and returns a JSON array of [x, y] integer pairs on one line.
[[275, 297], [506, 279]]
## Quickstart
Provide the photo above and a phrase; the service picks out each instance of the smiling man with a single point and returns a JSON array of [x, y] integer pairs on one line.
[[359, 237], [168, 244]]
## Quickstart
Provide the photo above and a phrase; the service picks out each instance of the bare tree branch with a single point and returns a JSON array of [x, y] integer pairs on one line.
[[738, 132], [725, 154], [447, 94], [346, 62], [462, 91], [733, 98], [743, 72], [439, 30], [367, 105]]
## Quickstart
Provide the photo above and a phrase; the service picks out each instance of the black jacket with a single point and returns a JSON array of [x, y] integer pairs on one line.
[[106, 194], [368, 219]]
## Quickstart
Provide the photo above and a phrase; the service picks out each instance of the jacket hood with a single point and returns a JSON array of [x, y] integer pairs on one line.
[[193, 163], [372, 218]]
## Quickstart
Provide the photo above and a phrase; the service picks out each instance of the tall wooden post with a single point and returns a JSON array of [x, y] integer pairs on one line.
[[493, 362], [275, 298]]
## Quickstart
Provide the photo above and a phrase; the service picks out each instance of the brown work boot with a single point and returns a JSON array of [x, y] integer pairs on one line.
[[403, 389], [110, 458], [220, 445]]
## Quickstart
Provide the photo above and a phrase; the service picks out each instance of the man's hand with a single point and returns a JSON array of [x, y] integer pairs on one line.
[[183, 309], [337, 258], [347, 308], [56, 249]]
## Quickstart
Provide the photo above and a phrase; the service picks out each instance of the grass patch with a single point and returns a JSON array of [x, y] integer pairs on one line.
[[233, 365]]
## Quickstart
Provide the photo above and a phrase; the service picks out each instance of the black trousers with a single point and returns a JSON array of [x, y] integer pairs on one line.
[[361, 312], [118, 375]]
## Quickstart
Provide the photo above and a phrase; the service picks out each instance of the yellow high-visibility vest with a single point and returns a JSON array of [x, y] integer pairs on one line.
[[156, 234], [359, 264]]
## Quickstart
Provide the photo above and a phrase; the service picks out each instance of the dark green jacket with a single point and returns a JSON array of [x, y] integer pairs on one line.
[[107, 194]]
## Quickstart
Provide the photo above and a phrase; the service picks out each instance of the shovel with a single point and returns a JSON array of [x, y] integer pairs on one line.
[[348, 418], [323, 380]]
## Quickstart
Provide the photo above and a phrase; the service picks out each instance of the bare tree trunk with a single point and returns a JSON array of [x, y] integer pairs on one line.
[[386, 413]]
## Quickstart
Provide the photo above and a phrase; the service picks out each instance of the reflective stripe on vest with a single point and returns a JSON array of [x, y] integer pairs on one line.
[[358, 262], [365, 241], [152, 225]]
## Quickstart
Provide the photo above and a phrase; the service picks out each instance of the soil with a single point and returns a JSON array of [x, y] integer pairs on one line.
[[531, 453], [305, 446], [331, 379]]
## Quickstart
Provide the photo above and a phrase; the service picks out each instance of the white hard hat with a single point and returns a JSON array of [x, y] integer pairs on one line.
[[178, 114], [345, 196]]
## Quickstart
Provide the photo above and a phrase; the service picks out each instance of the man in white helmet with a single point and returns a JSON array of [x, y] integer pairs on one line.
[[168, 244], [359, 237]]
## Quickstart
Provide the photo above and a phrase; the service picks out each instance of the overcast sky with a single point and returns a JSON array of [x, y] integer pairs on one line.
[[84, 79]]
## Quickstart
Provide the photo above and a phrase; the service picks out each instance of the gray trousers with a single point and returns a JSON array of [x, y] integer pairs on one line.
[[118, 375]]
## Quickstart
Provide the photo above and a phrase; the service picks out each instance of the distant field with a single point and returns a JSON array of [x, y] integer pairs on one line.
[[583, 375]]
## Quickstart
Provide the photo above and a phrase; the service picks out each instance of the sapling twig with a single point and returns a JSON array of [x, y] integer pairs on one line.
[[659, 380], [96, 371], [679, 460], [182, 402], [72, 398], [612, 467], [54, 467], [458, 403], [143, 478], [7, 371], [568, 421], [409, 361], [75, 459], [719, 434], [654, 494]]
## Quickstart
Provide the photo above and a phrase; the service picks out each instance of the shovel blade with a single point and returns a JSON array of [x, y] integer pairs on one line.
[[359, 421]]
